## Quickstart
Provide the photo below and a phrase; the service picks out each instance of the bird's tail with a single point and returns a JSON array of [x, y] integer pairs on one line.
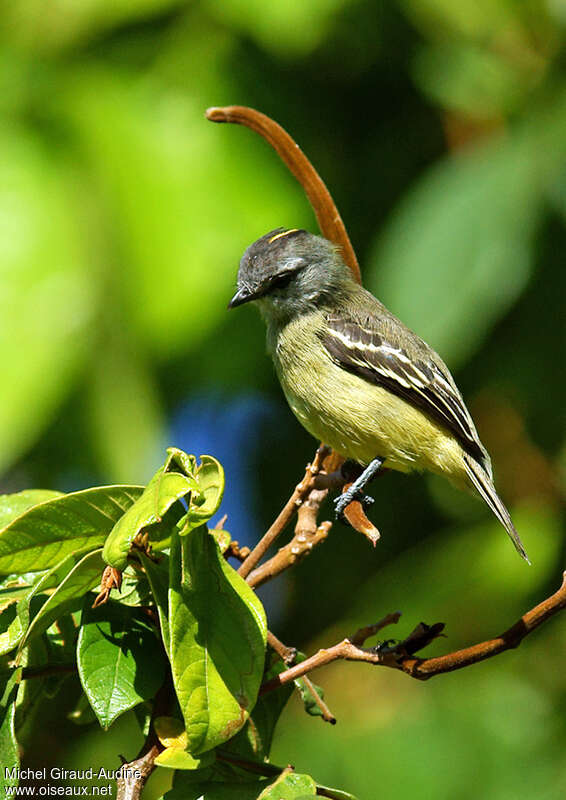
[[484, 485]]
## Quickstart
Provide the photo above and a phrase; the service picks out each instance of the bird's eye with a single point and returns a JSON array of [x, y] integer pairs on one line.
[[282, 281]]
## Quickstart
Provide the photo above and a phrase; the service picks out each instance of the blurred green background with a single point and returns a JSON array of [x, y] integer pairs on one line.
[[440, 129]]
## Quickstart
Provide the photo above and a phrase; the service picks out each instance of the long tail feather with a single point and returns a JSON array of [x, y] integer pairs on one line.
[[482, 482]]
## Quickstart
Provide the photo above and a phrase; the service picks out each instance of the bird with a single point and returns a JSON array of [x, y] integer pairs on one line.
[[355, 376]]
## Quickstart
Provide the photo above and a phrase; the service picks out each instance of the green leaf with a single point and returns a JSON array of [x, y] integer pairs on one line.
[[14, 505], [290, 786], [135, 589], [311, 706], [161, 493], [173, 736], [210, 479], [218, 630], [334, 794], [8, 743], [158, 577], [119, 660], [20, 616], [253, 742], [81, 579], [44, 534]]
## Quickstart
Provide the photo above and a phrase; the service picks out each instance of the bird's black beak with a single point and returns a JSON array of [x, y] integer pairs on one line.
[[243, 295]]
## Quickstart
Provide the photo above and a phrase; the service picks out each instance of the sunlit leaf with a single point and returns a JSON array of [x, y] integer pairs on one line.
[[8, 743], [217, 640], [290, 786], [173, 736], [210, 480], [43, 535], [161, 493], [119, 660], [254, 740], [81, 579], [18, 616], [158, 577], [14, 505]]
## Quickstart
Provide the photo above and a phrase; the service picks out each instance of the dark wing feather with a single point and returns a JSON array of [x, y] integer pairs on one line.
[[424, 384]]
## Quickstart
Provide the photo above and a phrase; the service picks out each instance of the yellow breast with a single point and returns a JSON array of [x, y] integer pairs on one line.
[[356, 418]]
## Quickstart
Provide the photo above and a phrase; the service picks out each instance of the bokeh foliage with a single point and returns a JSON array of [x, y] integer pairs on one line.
[[440, 128]]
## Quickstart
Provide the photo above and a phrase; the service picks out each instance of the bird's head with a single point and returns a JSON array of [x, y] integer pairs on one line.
[[290, 272]]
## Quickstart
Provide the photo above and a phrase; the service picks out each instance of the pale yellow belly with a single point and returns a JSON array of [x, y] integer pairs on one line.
[[362, 421]]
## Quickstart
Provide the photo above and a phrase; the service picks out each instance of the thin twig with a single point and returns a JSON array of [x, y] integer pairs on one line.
[[508, 640], [326, 713], [288, 656], [362, 634], [285, 653], [401, 657], [308, 534], [285, 516], [327, 215]]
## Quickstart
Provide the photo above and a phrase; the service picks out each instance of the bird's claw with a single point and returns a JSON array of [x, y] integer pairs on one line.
[[343, 501]]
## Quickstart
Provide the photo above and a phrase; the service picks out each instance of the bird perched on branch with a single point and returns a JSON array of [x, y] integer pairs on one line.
[[355, 376]]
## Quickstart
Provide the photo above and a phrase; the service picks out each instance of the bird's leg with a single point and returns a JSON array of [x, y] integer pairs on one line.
[[356, 490]]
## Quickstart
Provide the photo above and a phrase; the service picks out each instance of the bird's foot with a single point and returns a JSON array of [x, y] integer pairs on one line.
[[343, 500]]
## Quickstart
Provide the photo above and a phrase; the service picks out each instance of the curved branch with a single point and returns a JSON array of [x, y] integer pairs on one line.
[[327, 215], [508, 640], [400, 656]]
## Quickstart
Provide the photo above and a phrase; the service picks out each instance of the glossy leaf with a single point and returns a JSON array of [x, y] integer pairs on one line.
[[8, 743], [161, 493], [254, 741], [311, 706], [81, 579], [119, 660], [334, 794], [173, 736], [158, 577], [20, 615], [218, 630], [46, 533], [290, 786], [14, 505], [210, 479]]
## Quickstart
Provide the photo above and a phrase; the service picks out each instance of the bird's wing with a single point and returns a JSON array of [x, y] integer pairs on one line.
[[379, 358]]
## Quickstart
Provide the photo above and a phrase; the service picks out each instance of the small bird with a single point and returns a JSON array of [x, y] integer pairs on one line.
[[355, 376]]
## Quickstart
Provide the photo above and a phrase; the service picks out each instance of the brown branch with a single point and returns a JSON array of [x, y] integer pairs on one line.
[[285, 653], [308, 534], [400, 656], [288, 656], [508, 640], [284, 517], [327, 215], [134, 775]]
